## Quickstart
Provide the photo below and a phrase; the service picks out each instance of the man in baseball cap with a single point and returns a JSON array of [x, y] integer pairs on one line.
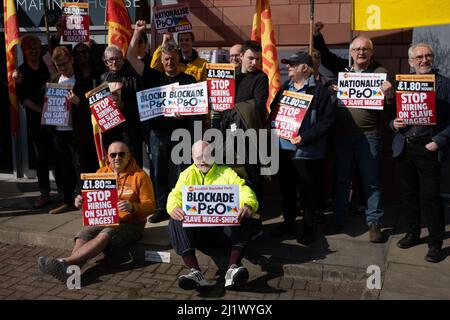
[[300, 57]]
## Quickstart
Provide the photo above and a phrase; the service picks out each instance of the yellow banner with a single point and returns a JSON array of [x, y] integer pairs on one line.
[[396, 14]]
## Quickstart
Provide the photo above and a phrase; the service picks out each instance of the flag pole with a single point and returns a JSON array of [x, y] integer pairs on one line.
[[311, 25], [352, 23], [47, 31], [104, 23]]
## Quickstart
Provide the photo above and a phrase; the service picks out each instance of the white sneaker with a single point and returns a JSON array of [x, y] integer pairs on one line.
[[192, 280], [236, 276]]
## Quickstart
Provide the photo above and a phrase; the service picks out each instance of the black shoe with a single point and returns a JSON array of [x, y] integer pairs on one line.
[[434, 255], [334, 228], [408, 241], [158, 216], [306, 237], [284, 229]]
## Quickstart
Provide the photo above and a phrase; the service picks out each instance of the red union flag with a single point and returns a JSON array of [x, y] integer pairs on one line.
[[262, 32], [119, 24], [12, 38]]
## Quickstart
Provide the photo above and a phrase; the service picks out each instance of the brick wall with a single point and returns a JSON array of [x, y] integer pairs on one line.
[[224, 23]]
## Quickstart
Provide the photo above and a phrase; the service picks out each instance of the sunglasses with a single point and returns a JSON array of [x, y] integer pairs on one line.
[[113, 155]]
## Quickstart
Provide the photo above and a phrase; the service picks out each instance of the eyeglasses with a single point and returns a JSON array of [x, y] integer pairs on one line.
[[77, 53], [62, 64], [361, 49], [428, 56], [121, 154], [293, 65], [32, 49], [113, 59]]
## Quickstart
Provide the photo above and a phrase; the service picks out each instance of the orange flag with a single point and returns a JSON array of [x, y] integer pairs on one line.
[[262, 32], [12, 38], [119, 24], [98, 142]]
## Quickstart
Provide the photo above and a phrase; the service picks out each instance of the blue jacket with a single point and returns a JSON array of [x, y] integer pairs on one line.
[[318, 121], [441, 129]]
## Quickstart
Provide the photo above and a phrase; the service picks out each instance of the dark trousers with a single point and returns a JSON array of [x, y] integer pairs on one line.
[[303, 174], [42, 141], [186, 239], [420, 183], [163, 172], [130, 135], [67, 164]]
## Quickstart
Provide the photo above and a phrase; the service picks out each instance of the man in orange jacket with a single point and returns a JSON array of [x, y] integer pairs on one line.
[[136, 203]]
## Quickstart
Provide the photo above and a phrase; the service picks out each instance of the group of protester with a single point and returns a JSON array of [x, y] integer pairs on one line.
[[354, 133]]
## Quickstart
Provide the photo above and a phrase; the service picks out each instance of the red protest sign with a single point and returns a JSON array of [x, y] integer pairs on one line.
[[104, 108], [221, 85], [291, 111], [56, 109], [76, 22], [416, 99], [99, 192]]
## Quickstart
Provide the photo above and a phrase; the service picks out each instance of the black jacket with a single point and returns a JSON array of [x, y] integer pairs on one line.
[[441, 131]]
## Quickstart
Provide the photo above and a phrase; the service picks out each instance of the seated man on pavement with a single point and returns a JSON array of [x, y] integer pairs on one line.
[[136, 203], [185, 239]]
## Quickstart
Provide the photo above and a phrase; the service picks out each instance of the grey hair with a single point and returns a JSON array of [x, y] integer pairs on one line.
[[169, 46], [363, 38], [416, 45], [112, 49]]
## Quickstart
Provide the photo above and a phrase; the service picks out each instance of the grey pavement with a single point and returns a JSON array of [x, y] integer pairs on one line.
[[339, 260]]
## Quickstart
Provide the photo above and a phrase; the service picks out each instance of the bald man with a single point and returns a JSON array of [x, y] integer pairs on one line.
[[136, 203], [235, 55], [184, 240]]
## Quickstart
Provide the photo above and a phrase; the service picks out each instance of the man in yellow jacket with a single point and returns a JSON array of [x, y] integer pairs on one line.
[[136, 203], [184, 240], [190, 62]]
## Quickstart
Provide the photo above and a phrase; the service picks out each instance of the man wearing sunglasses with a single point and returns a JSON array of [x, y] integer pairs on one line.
[[136, 203]]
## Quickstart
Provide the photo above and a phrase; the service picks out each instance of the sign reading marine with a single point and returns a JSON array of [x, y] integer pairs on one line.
[[31, 12]]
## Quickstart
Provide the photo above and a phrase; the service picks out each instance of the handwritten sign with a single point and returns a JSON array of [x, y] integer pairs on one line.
[[416, 99], [56, 109], [360, 90], [221, 85], [210, 205], [103, 107], [291, 112], [99, 192], [76, 22], [172, 18]]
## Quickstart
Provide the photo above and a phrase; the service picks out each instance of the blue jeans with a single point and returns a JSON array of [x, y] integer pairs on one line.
[[364, 150]]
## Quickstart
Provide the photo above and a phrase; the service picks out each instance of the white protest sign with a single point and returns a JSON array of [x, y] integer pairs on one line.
[[360, 90], [56, 109], [151, 102], [172, 18], [189, 99], [210, 205]]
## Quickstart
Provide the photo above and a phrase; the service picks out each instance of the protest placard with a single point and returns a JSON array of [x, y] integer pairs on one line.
[[210, 205], [99, 192], [56, 109], [188, 100], [103, 107], [151, 102], [416, 98], [360, 90], [291, 112], [172, 18], [221, 85], [76, 22]]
